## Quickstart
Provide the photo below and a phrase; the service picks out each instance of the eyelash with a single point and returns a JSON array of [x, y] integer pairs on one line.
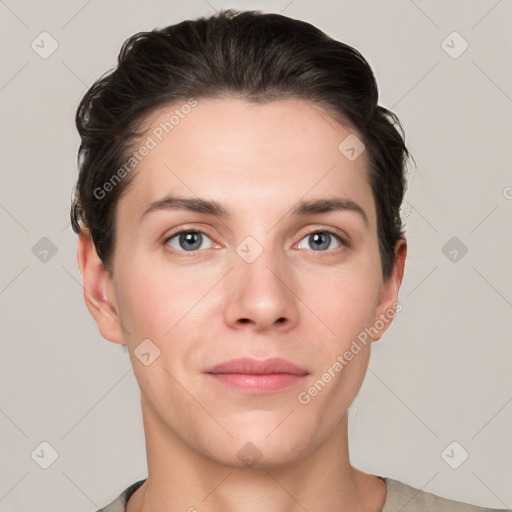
[[341, 240]]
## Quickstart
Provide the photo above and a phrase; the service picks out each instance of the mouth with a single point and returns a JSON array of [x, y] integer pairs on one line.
[[257, 376]]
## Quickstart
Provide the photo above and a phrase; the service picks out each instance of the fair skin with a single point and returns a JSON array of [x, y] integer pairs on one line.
[[204, 306]]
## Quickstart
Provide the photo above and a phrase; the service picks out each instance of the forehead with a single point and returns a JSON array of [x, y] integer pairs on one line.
[[251, 154]]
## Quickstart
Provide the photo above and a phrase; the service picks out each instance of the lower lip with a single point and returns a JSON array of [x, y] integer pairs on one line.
[[252, 383]]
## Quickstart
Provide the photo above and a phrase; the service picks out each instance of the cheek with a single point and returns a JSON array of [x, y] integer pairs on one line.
[[346, 305], [156, 299], [345, 301], [147, 298]]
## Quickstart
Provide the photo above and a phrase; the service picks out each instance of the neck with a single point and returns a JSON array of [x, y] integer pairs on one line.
[[182, 479]]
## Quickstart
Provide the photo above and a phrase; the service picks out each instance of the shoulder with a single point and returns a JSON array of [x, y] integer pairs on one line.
[[403, 497], [119, 504]]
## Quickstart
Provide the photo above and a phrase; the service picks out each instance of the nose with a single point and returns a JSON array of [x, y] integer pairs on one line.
[[261, 295]]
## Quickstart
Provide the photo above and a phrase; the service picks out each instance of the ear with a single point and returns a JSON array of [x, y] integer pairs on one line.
[[388, 303], [98, 290]]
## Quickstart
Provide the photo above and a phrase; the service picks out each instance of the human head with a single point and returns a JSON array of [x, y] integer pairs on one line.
[[258, 57], [261, 153]]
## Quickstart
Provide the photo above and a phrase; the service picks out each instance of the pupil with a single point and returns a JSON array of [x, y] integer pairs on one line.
[[188, 239], [317, 237]]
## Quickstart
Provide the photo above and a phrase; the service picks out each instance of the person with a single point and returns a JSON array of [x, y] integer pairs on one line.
[[237, 207]]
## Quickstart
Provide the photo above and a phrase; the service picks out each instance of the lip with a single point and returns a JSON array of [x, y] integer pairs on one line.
[[248, 365], [257, 376]]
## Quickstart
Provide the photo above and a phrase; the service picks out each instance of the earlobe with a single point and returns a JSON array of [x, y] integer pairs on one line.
[[387, 307], [98, 294]]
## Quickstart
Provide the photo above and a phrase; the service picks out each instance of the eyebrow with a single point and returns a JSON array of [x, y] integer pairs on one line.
[[217, 209]]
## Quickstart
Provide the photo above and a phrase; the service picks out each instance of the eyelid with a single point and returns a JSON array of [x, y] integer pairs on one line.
[[187, 229], [344, 238], [182, 230]]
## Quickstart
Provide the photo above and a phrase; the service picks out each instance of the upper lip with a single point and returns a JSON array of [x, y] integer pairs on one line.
[[249, 365]]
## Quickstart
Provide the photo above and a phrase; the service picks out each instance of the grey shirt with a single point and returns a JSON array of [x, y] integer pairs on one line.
[[400, 498]]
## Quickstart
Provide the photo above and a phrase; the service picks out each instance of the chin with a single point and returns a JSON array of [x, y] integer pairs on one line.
[[257, 451]]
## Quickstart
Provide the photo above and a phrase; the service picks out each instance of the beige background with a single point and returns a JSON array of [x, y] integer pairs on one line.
[[442, 371]]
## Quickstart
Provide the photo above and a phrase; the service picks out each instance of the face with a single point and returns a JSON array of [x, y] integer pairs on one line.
[[272, 277]]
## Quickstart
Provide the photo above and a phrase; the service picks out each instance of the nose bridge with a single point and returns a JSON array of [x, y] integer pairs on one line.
[[261, 267], [261, 287]]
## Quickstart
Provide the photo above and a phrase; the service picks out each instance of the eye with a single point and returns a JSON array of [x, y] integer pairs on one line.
[[192, 240], [321, 240], [187, 240]]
